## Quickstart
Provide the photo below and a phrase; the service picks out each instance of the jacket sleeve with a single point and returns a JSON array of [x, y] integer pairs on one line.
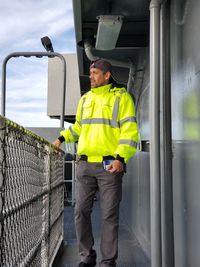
[[73, 132], [128, 128]]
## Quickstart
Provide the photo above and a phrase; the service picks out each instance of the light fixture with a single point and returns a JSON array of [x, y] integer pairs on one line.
[[109, 27], [46, 42]]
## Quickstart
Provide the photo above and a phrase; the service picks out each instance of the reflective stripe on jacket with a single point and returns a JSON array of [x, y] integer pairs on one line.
[[105, 124]]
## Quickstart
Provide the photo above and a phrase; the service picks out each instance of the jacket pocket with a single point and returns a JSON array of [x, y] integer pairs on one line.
[[88, 109], [107, 109]]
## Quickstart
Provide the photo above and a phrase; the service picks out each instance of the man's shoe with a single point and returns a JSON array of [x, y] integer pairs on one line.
[[83, 264]]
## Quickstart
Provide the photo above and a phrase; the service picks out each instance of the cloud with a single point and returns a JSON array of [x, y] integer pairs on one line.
[[31, 119], [26, 18], [24, 23], [27, 90]]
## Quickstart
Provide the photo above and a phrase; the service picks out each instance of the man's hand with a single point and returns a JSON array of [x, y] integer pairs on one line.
[[116, 166], [57, 143]]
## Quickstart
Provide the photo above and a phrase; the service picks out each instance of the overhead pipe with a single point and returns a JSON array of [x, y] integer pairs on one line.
[[88, 50], [156, 252]]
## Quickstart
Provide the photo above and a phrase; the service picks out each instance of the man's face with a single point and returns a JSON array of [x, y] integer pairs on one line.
[[98, 78]]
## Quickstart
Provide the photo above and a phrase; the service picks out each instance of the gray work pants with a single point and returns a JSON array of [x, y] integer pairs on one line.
[[90, 178]]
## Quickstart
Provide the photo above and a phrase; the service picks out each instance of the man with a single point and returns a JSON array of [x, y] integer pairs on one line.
[[107, 136]]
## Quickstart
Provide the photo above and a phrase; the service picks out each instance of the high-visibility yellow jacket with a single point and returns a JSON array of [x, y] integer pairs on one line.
[[105, 124]]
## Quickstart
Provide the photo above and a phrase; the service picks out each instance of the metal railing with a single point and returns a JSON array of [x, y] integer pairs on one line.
[[33, 54], [31, 198]]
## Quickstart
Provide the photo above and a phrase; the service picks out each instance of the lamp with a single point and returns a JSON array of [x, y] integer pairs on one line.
[[46, 42]]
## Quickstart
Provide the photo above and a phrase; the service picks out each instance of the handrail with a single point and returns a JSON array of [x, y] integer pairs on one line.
[[34, 54]]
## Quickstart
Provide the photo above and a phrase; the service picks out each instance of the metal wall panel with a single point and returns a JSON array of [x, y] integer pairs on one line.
[[136, 199], [136, 184], [55, 78], [185, 84]]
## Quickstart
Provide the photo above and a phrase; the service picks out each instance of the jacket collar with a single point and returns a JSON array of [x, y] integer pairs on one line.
[[102, 89]]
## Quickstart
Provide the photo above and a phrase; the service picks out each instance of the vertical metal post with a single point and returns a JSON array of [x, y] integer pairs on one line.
[[34, 54], [156, 258], [2, 183], [3, 87], [73, 181], [166, 146]]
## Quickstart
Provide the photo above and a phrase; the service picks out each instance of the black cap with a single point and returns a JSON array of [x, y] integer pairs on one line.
[[102, 65]]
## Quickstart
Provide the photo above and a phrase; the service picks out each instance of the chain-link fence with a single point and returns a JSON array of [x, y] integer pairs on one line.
[[31, 198]]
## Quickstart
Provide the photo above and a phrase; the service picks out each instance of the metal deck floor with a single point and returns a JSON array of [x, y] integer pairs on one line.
[[130, 253]]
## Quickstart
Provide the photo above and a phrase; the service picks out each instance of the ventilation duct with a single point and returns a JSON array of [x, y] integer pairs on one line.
[[109, 27]]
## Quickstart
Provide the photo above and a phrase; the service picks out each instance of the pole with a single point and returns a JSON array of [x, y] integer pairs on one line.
[[156, 254]]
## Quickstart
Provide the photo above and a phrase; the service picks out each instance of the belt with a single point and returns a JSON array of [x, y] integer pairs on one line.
[[85, 157]]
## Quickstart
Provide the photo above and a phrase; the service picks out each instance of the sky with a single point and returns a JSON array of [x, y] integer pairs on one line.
[[23, 24]]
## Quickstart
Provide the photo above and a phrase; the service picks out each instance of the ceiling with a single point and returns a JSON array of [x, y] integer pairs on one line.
[[133, 36]]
